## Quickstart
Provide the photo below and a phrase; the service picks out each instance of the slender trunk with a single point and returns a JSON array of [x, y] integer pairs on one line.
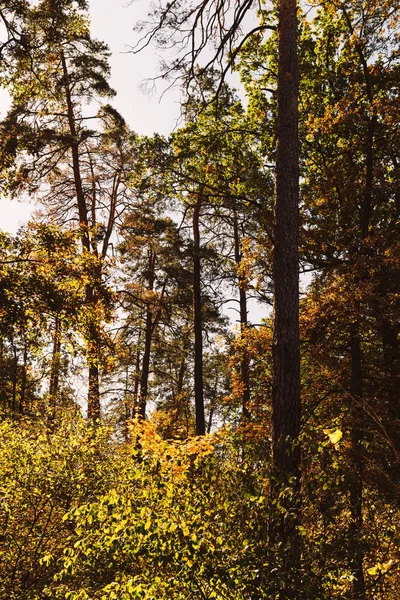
[[94, 411], [137, 378], [148, 336], [93, 355], [198, 323], [390, 346], [181, 375], [286, 405], [366, 206], [356, 477], [55, 367], [244, 363], [80, 196], [357, 413], [14, 380], [144, 380], [396, 187], [180, 401], [127, 407], [22, 392]]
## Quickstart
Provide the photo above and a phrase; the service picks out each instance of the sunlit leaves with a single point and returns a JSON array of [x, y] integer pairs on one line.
[[334, 436]]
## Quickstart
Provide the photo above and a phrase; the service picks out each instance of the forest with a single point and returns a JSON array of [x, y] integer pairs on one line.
[[199, 332]]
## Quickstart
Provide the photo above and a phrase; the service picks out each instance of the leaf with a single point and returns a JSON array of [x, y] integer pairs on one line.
[[380, 568], [335, 436]]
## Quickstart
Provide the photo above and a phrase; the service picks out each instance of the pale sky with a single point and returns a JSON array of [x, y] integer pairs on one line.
[[146, 113]]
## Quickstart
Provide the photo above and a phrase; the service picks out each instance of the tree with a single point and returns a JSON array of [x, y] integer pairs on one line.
[[41, 307], [194, 23], [354, 204], [45, 128]]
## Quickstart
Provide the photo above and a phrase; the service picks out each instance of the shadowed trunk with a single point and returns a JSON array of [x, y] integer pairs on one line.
[[198, 324], [152, 321], [244, 363], [55, 367], [22, 393], [356, 477], [144, 381], [93, 355], [286, 406], [137, 378]]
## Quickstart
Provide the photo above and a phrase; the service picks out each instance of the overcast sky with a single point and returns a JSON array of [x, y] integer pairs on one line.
[[113, 22]]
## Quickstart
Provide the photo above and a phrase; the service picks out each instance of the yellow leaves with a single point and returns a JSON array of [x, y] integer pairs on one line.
[[334, 436], [175, 457], [380, 568]]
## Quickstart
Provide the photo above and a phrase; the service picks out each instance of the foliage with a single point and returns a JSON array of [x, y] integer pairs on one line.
[[140, 245], [44, 473], [185, 521]]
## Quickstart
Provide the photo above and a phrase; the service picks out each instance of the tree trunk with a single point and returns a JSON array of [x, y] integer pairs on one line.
[[286, 405], [14, 379], [22, 393], [356, 477], [93, 355], [55, 367], [357, 411], [149, 329], [390, 345], [198, 324], [137, 378], [94, 410], [244, 363], [144, 381], [80, 196]]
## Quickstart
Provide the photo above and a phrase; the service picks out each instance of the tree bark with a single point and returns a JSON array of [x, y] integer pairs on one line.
[[136, 387], [357, 409], [198, 323], [14, 379], [22, 394], [94, 409], [93, 355], [80, 196], [244, 363], [286, 405], [356, 477], [144, 381], [55, 367], [151, 324]]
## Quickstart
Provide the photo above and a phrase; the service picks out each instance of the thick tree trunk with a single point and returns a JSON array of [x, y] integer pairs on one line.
[[244, 363], [356, 477], [198, 323], [286, 406]]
